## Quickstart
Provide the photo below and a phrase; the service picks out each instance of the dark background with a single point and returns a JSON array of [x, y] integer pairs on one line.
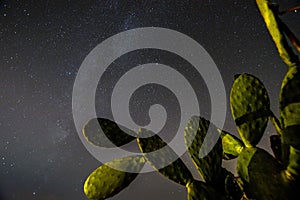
[[42, 45]]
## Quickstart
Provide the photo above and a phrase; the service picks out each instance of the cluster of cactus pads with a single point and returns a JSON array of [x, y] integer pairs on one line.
[[260, 174]]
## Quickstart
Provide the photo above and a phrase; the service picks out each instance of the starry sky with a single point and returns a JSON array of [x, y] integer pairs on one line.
[[42, 45]]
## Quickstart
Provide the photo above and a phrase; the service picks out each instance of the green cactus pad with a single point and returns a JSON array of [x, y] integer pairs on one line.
[[114, 134], [290, 107], [232, 146], [159, 154], [289, 96], [261, 174], [210, 165], [106, 181], [199, 190], [250, 107]]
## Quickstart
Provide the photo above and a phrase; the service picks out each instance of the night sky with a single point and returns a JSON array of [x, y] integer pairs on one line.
[[42, 45]]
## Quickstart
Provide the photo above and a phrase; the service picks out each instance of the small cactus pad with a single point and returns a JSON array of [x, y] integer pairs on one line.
[[159, 154], [210, 165], [290, 107], [199, 190], [114, 134], [261, 174], [106, 181], [232, 146], [250, 107]]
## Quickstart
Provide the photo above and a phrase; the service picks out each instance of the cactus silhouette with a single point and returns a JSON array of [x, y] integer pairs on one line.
[[260, 174]]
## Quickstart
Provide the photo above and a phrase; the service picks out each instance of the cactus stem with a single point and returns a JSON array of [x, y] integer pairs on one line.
[[274, 26]]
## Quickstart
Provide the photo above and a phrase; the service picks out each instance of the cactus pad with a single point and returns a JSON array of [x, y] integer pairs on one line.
[[232, 146], [106, 181], [210, 165], [290, 107], [114, 134], [250, 107], [261, 174], [157, 153]]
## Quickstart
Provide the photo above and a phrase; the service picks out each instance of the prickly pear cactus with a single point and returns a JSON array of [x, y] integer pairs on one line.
[[260, 174], [219, 183], [265, 177]]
